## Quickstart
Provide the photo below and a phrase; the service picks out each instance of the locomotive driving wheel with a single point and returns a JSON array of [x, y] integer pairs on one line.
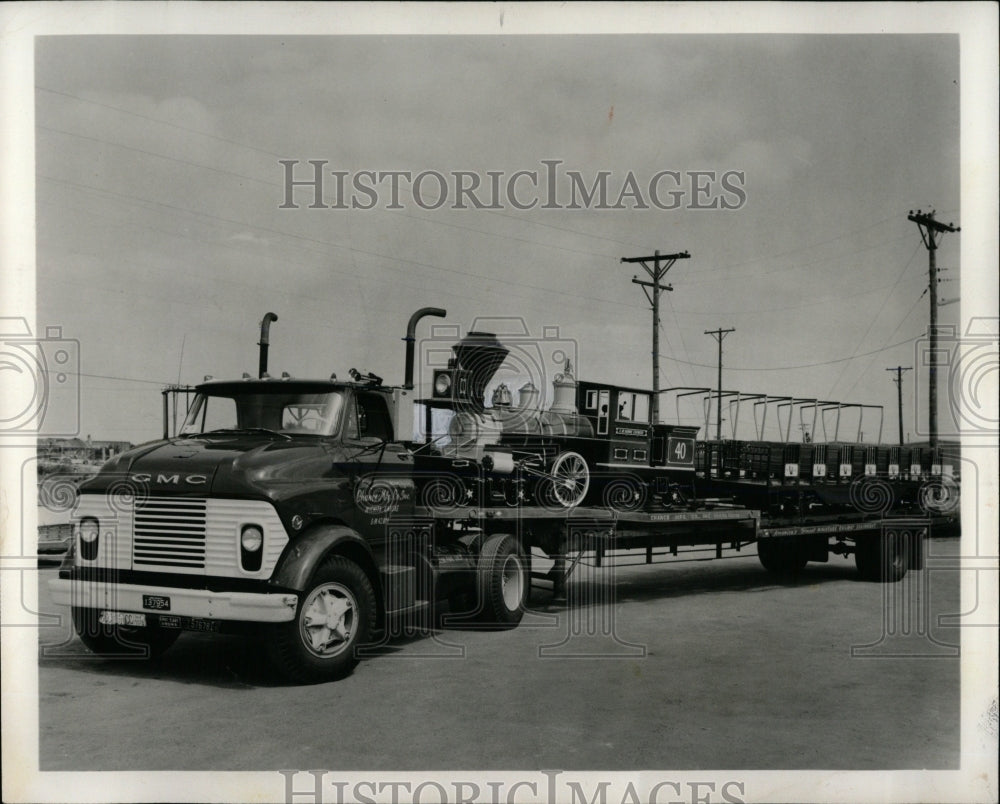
[[569, 479]]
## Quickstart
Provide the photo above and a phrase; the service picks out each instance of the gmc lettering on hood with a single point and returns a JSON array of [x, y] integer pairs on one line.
[[191, 480]]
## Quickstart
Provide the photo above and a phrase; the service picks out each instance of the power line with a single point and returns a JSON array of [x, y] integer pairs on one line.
[[279, 156], [428, 220], [875, 318], [801, 365], [281, 233]]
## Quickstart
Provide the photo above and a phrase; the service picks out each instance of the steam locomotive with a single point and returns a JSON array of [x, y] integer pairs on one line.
[[594, 444]]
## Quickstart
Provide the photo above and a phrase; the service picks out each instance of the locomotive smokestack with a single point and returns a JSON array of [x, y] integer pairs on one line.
[[480, 354], [411, 329], [265, 328]]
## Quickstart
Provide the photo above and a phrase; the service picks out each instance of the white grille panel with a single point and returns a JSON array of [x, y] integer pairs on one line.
[[222, 553], [191, 536]]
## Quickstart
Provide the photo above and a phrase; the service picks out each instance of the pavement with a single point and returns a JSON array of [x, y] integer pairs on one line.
[[690, 665]]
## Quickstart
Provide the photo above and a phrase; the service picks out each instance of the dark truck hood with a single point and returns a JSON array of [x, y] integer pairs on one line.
[[224, 465]]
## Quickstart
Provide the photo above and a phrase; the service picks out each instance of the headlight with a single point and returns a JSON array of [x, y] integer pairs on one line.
[[90, 529], [251, 541], [251, 538], [442, 384]]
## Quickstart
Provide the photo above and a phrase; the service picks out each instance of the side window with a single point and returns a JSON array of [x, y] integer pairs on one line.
[[351, 420], [373, 416]]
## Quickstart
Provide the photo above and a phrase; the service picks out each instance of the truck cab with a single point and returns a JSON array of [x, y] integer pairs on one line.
[[283, 508]]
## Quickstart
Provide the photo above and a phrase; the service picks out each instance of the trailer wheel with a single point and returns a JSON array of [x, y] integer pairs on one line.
[[120, 640], [336, 614], [503, 582], [882, 557], [781, 556]]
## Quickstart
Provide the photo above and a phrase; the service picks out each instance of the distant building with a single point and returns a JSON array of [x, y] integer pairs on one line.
[[77, 449]]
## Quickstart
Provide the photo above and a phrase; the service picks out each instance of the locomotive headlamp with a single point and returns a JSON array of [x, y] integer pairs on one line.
[[442, 383], [90, 529], [451, 384], [251, 538]]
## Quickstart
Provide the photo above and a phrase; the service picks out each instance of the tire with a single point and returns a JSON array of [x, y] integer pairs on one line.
[[883, 557], [120, 640], [783, 557], [336, 614], [503, 582]]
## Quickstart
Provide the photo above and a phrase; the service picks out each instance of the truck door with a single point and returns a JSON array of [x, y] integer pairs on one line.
[[382, 483]]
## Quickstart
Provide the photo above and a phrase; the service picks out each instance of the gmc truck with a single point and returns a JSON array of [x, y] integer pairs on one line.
[[283, 508]]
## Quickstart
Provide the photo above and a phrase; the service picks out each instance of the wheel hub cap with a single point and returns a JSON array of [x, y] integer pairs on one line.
[[328, 619]]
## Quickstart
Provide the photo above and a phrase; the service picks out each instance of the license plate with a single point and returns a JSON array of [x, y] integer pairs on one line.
[[122, 618], [156, 602]]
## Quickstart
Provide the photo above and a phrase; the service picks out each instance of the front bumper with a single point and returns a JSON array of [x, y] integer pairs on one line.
[[197, 603]]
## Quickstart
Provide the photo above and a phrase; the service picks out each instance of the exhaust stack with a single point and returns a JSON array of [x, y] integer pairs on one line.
[[410, 339], [265, 327]]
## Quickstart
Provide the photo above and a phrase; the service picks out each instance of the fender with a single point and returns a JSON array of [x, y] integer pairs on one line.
[[310, 549]]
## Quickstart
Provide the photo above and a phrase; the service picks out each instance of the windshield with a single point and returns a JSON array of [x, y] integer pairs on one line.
[[286, 413]]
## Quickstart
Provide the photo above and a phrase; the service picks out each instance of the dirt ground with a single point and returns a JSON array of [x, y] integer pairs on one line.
[[683, 666]]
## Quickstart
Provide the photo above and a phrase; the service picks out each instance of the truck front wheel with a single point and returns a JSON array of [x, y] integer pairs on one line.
[[336, 615], [132, 642], [503, 582]]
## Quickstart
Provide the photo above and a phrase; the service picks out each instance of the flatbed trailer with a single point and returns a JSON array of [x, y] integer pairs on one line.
[[884, 547]]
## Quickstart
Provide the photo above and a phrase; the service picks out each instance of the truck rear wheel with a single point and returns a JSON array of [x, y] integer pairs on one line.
[[503, 582], [781, 556], [336, 615], [130, 642], [882, 557]]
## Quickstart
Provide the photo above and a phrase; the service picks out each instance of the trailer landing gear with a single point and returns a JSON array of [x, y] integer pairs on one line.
[[782, 556], [883, 556]]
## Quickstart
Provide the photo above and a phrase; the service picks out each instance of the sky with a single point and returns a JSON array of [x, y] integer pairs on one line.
[[161, 244]]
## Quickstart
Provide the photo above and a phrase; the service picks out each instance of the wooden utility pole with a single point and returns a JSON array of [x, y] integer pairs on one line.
[[661, 264], [719, 335], [930, 232], [898, 379]]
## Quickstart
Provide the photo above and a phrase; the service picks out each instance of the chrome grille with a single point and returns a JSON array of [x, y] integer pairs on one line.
[[170, 532]]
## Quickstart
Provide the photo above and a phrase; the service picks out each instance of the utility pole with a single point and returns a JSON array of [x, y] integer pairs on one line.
[[898, 379], [930, 232], [661, 264], [719, 335]]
